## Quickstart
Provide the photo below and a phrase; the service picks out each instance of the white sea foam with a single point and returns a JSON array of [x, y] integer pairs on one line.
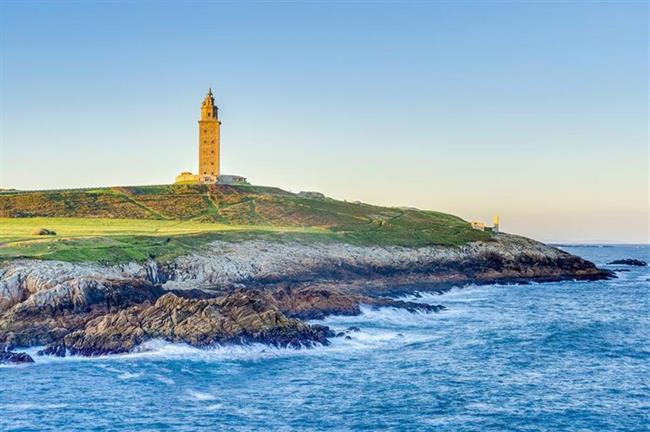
[[201, 396], [47, 359], [214, 407], [162, 349], [466, 294], [422, 297], [380, 327], [165, 380], [369, 337], [129, 375], [383, 317]]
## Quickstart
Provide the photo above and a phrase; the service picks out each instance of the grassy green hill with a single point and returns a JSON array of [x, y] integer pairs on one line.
[[135, 223]]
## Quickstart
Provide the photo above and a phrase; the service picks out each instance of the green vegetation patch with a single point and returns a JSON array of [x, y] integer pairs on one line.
[[116, 240], [140, 222]]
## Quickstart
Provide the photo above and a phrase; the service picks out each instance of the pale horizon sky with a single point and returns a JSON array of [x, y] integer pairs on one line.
[[537, 112]]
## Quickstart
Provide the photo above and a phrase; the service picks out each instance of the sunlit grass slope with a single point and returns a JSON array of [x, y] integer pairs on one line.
[[136, 223], [21, 229]]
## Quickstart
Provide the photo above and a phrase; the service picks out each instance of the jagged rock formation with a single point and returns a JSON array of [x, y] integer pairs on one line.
[[41, 304], [239, 317], [314, 302]]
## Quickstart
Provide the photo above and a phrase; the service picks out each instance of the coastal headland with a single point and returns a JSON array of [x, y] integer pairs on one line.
[[100, 271]]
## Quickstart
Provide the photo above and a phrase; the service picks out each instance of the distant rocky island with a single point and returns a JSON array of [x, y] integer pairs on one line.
[[629, 262], [224, 264]]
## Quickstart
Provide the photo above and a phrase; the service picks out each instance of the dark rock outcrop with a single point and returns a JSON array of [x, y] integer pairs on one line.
[[239, 317], [9, 357], [198, 318], [315, 302], [45, 317], [630, 262]]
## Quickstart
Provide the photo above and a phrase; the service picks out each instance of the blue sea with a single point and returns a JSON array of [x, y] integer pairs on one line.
[[570, 356]]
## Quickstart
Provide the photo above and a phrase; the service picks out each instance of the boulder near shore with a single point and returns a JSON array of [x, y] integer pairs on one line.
[[9, 357]]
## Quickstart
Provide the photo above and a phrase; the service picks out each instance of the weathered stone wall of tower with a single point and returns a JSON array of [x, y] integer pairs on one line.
[[209, 138]]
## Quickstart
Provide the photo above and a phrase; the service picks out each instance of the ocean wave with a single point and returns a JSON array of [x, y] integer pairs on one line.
[[366, 338], [129, 375], [372, 316], [369, 337], [201, 396], [165, 380], [464, 294], [379, 327], [158, 349], [30, 406]]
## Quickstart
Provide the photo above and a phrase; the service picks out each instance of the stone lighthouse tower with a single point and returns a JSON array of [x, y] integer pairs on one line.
[[209, 149], [209, 137]]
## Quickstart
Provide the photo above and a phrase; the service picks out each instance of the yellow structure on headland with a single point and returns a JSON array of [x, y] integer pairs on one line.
[[495, 224], [480, 226], [209, 149], [186, 177]]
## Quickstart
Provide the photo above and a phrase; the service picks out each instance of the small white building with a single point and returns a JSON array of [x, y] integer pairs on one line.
[[228, 179]]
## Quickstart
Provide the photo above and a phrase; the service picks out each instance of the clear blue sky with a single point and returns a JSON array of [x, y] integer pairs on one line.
[[535, 111]]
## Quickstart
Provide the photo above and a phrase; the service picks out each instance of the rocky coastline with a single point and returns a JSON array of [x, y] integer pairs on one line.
[[249, 291]]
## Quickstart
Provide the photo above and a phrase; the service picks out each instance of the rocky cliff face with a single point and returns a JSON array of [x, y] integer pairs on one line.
[[369, 269], [248, 291], [239, 317]]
